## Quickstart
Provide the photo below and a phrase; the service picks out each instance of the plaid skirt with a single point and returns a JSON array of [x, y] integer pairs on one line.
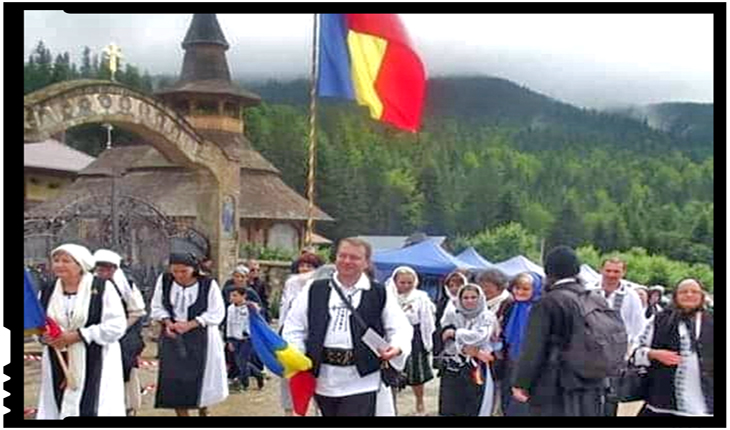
[[418, 367]]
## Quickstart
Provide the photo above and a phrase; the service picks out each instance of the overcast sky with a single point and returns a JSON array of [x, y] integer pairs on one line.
[[589, 60]]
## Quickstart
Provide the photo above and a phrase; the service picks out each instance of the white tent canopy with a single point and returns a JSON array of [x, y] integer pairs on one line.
[[517, 265]]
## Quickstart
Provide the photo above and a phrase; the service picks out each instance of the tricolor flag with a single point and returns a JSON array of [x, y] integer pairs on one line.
[[34, 319], [370, 58], [284, 360]]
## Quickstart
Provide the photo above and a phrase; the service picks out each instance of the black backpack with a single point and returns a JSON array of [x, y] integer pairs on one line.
[[598, 344]]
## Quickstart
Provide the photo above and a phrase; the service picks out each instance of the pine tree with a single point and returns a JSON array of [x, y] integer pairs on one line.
[[86, 67], [568, 228]]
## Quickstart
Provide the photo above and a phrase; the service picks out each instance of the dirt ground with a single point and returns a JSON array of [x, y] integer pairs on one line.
[[249, 403]]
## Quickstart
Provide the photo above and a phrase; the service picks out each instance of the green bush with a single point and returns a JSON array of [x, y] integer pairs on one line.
[[259, 252], [648, 269]]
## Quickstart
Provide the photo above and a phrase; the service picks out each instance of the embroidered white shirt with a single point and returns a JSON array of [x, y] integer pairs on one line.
[[631, 310], [237, 324], [340, 381]]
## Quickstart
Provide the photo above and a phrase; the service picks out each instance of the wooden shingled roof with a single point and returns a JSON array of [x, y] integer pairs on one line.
[[170, 188], [272, 199]]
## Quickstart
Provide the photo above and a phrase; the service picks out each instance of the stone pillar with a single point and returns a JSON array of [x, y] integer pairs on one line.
[[217, 216]]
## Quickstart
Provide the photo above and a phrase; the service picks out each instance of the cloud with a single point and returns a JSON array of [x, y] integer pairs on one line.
[[589, 60]]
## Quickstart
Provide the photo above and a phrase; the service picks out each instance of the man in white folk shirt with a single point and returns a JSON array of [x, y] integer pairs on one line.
[[621, 296], [320, 324]]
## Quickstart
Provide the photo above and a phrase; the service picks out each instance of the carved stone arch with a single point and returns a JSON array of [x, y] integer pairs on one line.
[[72, 103]]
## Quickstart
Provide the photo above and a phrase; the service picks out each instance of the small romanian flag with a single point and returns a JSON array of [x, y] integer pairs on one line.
[[284, 360], [34, 319], [370, 58]]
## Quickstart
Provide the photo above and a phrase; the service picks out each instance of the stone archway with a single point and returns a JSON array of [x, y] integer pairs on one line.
[[69, 104]]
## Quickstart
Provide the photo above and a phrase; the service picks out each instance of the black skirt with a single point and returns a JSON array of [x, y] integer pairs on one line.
[[459, 395], [182, 364], [418, 368]]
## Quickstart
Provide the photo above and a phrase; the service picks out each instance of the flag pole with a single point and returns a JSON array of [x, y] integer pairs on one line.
[[312, 135]]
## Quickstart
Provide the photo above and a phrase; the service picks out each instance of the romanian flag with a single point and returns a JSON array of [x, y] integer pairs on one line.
[[370, 58], [34, 319], [284, 360]]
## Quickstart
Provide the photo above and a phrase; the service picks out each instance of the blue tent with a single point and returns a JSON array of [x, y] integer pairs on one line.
[[426, 258], [471, 256], [518, 264]]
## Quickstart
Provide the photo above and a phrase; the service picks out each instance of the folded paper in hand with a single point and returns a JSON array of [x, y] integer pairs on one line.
[[374, 341]]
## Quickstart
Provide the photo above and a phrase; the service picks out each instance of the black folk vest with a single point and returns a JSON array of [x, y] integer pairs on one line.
[[370, 309], [662, 390], [200, 305]]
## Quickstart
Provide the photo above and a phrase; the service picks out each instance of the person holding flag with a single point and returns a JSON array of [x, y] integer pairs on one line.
[[348, 342], [85, 322]]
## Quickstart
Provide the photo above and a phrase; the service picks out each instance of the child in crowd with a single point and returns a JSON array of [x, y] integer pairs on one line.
[[238, 338]]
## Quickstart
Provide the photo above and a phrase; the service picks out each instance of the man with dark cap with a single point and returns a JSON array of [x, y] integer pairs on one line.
[[543, 378]]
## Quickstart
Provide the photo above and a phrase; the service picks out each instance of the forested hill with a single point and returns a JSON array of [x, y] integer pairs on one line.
[[496, 166], [543, 123], [493, 153], [689, 121]]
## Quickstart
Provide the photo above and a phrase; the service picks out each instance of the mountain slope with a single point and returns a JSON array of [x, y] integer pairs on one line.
[[541, 122]]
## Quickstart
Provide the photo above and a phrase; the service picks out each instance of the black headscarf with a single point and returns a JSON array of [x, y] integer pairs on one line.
[[185, 258]]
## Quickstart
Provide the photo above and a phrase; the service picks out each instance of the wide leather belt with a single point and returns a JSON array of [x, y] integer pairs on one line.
[[339, 357]]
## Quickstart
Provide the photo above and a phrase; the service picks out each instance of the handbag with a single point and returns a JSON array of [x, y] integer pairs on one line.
[[633, 382], [390, 376]]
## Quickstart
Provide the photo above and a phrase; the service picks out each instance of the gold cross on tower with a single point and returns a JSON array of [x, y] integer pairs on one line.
[[114, 53]]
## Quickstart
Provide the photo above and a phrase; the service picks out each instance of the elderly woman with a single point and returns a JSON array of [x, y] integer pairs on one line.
[[91, 317], [420, 313], [108, 266], [678, 346], [189, 307], [526, 289]]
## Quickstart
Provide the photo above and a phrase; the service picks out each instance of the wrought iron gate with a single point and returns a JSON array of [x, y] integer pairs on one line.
[[146, 235]]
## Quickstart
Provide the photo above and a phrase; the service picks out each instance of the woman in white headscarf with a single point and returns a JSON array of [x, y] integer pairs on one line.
[[91, 316], [108, 266], [419, 310], [467, 388]]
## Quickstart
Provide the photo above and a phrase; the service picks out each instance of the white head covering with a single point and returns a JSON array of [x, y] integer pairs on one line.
[[241, 269], [481, 305], [403, 299], [657, 288], [79, 253], [107, 256]]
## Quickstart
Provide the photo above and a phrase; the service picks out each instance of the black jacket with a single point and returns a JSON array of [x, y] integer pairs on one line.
[[549, 329], [661, 385], [438, 343]]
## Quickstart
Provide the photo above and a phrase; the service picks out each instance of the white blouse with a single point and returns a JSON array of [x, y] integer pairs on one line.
[[182, 298]]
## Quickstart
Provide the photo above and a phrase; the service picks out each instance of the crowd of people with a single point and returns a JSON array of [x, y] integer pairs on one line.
[[522, 346]]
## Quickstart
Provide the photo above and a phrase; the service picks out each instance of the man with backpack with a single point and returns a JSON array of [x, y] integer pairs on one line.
[[574, 342], [625, 300]]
